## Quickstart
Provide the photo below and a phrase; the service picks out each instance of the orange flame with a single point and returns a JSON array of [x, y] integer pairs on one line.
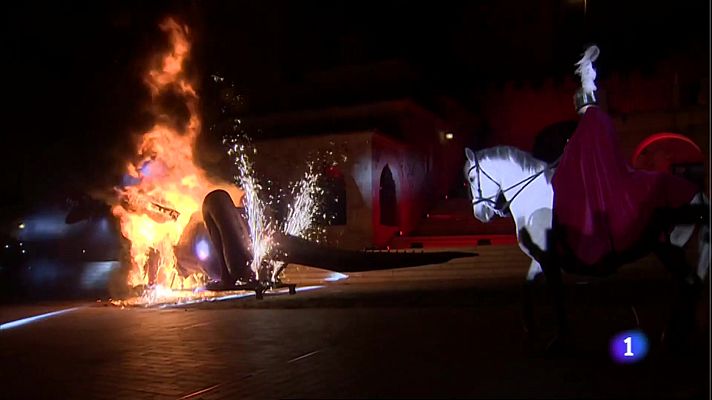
[[155, 212]]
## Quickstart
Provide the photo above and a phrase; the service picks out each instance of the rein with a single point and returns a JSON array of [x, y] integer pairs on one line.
[[500, 204]]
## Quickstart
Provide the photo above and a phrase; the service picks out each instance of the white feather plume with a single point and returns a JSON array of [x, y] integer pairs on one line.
[[585, 68]]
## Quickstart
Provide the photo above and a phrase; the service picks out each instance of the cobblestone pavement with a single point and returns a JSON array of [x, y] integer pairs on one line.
[[395, 338]]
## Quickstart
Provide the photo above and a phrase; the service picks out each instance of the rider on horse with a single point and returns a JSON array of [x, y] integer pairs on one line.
[[608, 218]]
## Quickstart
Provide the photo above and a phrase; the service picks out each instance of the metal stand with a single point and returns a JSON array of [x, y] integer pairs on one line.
[[260, 288]]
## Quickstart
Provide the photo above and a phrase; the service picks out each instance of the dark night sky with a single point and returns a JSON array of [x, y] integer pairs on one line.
[[74, 92]]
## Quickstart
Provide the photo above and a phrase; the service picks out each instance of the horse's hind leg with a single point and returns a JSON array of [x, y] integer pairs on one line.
[[688, 288]]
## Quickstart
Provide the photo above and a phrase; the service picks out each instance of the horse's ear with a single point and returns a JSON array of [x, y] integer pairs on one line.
[[469, 154]]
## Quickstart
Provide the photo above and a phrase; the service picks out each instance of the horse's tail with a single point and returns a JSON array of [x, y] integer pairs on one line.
[[703, 245]]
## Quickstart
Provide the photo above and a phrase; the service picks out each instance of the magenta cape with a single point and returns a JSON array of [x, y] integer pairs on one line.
[[603, 207]]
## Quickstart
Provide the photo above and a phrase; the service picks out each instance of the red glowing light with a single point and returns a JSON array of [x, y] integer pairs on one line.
[[659, 151]]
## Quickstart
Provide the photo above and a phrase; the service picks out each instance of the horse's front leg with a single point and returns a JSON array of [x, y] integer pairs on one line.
[[530, 327], [555, 284]]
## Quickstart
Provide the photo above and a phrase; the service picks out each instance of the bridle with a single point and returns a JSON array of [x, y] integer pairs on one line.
[[498, 202]]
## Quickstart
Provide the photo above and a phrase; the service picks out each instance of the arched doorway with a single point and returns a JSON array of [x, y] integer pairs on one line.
[[387, 198]]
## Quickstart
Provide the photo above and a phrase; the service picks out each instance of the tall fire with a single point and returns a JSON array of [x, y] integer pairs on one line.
[[166, 186]]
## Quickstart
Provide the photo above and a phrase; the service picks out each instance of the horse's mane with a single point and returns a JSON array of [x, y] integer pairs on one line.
[[521, 158]]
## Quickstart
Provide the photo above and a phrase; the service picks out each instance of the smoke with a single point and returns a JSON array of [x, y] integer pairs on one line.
[[79, 98]]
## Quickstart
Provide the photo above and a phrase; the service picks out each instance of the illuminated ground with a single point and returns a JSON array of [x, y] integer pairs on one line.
[[404, 334]]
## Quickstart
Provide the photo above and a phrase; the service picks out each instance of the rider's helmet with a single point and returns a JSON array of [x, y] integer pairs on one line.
[[584, 98]]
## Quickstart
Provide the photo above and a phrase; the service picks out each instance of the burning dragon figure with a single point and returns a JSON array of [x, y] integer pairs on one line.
[[159, 205]]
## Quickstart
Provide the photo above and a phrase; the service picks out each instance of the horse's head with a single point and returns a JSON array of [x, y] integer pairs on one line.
[[486, 192]]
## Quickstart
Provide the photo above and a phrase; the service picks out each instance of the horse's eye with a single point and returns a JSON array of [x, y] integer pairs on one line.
[[472, 179]]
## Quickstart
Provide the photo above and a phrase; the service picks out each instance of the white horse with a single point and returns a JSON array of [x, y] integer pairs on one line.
[[506, 181]]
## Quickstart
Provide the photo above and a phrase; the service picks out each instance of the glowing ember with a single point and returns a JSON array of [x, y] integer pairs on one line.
[[170, 187], [162, 296]]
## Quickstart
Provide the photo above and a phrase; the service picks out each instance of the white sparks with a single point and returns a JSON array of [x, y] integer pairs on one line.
[[304, 208], [301, 212], [260, 229]]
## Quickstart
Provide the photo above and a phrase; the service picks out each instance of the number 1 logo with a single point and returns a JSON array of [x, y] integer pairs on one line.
[[628, 347], [621, 347]]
